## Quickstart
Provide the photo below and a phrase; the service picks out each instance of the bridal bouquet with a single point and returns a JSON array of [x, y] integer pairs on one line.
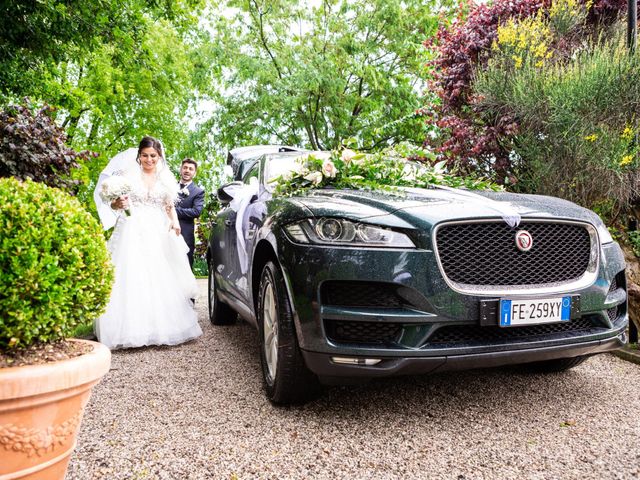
[[113, 188]]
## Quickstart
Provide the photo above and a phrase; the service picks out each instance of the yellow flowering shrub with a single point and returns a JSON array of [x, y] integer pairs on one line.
[[628, 140], [566, 15], [527, 40], [530, 41]]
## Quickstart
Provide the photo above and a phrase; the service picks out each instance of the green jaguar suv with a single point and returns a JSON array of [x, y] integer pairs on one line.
[[350, 284]]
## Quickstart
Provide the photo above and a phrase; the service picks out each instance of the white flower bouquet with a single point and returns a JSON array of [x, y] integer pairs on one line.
[[113, 188]]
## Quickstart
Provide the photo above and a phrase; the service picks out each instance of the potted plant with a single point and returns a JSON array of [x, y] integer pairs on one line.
[[55, 275]]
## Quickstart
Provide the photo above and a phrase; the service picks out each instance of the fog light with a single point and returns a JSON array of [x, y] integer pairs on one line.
[[356, 361]]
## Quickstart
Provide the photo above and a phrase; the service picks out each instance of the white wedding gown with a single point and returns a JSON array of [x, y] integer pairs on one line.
[[150, 301]]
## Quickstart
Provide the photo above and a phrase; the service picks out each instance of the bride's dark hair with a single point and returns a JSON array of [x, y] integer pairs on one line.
[[147, 142]]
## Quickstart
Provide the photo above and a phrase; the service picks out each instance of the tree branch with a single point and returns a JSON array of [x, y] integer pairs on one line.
[[263, 39]]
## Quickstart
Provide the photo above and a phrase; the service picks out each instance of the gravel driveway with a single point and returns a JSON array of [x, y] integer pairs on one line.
[[197, 411]]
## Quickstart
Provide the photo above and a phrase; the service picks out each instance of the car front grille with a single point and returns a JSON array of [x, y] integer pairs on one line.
[[485, 254], [470, 334], [362, 332]]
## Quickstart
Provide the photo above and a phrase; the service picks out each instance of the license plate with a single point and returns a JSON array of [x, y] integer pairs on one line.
[[534, 312]]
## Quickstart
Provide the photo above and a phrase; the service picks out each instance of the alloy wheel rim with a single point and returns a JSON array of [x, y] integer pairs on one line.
[[270, 321]]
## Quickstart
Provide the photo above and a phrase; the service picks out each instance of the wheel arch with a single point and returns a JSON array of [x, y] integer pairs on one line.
[[264, 252]]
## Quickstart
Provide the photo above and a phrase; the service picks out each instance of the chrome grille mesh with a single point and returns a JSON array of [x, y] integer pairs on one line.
[[486, 253]]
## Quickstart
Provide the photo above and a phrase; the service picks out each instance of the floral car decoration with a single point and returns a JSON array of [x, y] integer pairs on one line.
[[386, 170]]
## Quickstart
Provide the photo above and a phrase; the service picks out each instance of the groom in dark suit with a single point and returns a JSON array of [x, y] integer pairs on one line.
[[189, 206]]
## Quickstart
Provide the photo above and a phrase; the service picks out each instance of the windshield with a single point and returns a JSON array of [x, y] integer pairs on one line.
[[276, 166]]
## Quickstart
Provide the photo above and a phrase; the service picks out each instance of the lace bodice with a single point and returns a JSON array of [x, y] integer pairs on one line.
[[153, 198], [163, 193]]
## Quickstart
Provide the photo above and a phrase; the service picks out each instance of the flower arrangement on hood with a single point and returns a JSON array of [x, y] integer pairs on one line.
[[387, 170]]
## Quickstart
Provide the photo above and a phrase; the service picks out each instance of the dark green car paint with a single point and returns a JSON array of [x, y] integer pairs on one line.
[[415, 272]]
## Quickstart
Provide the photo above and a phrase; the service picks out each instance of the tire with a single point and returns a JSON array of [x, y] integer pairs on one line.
[[286, 378], [556, 365], [219, 313]]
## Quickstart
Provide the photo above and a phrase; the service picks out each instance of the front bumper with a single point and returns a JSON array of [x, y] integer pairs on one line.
[[428, 306], [322, 364]]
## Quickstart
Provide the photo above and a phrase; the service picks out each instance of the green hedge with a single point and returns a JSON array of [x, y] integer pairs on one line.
[[55, 268]]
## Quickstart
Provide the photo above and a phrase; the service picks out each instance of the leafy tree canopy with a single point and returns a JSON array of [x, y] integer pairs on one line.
[[312, 75], [35, 34]]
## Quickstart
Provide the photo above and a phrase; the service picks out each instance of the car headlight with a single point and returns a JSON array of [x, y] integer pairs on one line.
[[339, 231]]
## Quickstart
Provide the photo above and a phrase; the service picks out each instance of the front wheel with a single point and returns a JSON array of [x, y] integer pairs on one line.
[[219, 313], [286, 378]]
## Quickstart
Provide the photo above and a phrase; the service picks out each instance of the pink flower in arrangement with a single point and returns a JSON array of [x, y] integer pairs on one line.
[[347, 155], [329, 169]]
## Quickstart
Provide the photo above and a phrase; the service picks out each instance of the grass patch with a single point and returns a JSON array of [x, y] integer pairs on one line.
[[83, 331]]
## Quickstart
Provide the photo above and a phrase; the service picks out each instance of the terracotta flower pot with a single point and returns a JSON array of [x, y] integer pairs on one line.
[[41, 407]]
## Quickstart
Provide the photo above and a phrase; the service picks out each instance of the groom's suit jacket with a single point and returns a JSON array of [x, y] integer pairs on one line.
[[188, 208]]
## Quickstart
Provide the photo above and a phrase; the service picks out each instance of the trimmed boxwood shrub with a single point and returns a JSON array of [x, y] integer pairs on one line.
[[56, 272]]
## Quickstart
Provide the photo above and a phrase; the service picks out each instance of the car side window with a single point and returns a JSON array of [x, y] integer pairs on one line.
[[253, 173]]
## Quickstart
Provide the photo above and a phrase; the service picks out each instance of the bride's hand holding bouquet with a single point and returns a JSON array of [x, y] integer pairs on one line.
[[115, 191]]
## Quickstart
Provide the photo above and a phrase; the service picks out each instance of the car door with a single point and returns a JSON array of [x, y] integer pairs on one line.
[[239, 252]]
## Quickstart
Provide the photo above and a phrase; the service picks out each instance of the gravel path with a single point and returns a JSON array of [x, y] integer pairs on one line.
[[197, 411]]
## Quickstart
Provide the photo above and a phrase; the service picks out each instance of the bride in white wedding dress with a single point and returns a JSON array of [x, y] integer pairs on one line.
[[150, 302]]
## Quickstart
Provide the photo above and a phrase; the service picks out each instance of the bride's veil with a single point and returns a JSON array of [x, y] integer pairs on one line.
[[122, 162], [126, 162]]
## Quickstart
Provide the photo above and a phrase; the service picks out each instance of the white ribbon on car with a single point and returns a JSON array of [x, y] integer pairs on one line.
[[506, 211], [242, 195]]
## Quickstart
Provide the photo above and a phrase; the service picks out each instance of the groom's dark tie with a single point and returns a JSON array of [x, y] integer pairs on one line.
[[182, 185]]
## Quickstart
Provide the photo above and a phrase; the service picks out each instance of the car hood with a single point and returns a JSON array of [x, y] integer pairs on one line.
[[423, 208]]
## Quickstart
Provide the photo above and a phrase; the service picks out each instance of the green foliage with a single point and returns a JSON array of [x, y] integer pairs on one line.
[[114, 71], [379, 171], [634, 240], [56, 270], [111, 105], [33, 146], [200, 268], [312, 75], [577, 123], [37, 35], [510, 38]]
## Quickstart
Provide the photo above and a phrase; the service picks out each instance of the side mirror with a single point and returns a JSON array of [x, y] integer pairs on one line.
[[227, 191]]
